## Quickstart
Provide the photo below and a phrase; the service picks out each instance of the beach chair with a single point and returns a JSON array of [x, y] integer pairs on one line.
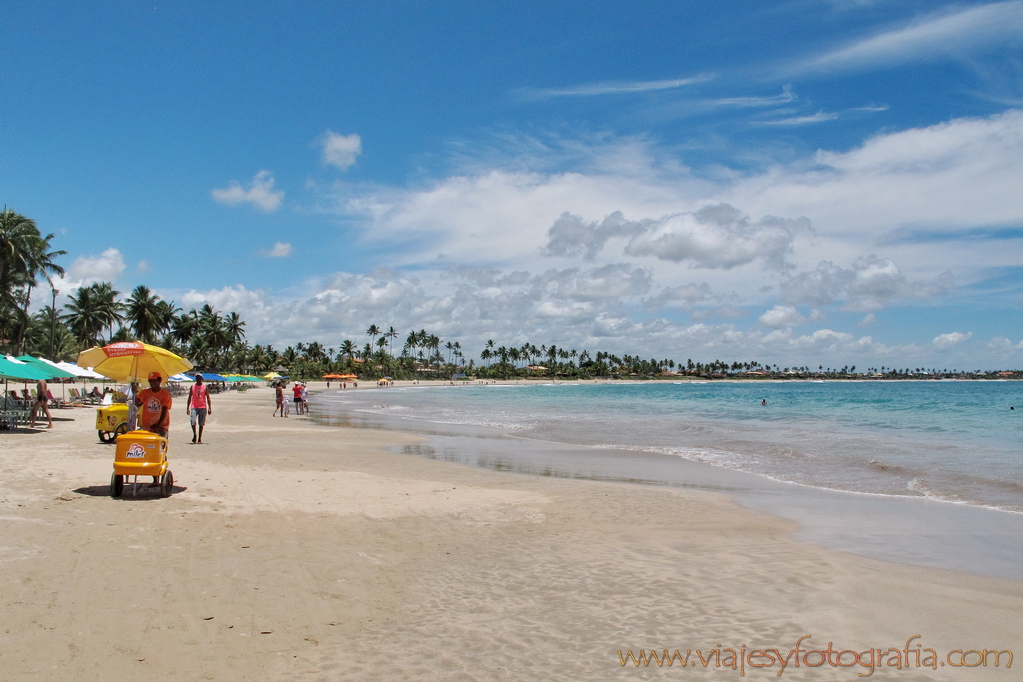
[[56, 402], [13, 409]]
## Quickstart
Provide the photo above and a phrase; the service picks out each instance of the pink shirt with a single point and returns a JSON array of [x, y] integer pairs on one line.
[[197, 396]]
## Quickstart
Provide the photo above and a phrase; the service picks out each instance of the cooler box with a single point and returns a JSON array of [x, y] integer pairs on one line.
[[140, 453], [110, 417]]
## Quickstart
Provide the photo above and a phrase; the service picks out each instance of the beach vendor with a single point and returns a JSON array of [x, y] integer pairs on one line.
[[155, 402], [198, 406]]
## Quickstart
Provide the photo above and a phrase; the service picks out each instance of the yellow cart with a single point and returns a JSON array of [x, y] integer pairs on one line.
[[141, 453], [111, 421]]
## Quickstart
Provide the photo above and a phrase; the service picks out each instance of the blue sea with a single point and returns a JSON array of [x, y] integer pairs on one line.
[[953, 441]]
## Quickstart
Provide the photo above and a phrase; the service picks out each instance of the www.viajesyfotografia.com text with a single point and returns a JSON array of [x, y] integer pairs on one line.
[[912, 655]]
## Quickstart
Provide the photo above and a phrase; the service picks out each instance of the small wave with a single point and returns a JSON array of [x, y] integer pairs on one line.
[[879, 465]]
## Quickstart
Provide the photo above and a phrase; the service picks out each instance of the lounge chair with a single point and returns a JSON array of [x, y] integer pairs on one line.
[[13, 409]]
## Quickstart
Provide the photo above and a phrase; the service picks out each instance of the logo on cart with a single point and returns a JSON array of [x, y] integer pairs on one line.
[[136, 451], [112, 420]]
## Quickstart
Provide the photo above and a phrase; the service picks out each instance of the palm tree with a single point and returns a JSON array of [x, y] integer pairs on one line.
[[24, 256], [235, 326], [390, 334], [144, 314], [105, 299], [17, 237], [84, 316], [411, 343], [348, 349], [183, 327], [433, 343], [373, 331]]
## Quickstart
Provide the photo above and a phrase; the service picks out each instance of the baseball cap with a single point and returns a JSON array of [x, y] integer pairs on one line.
[[155, 375]]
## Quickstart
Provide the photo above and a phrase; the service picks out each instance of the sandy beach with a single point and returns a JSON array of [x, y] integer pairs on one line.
[[295, 551]]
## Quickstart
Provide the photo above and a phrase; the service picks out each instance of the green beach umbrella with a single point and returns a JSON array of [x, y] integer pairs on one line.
[[11, 368], [51, 370]]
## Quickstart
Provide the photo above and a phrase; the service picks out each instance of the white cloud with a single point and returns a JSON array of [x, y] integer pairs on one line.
[[471, 305], [279, 250], [614, 88], [260, 193], [946, 341], [684, 296], [957, 174], [1004, 345], [106, 267], [946, 33], [626, 205], [781, 316], [785, 97], [819, 117], [717, 236], [340, 150], [867, 286]]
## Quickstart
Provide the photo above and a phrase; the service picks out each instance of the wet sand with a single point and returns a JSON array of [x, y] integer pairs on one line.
[[291, 550]]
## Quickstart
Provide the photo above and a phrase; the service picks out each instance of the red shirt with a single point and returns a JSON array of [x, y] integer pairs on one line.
[[297, 390], [152, 407], [197, 396]]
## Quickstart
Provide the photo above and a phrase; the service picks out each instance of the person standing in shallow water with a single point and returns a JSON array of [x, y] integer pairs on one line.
[[198, 406]]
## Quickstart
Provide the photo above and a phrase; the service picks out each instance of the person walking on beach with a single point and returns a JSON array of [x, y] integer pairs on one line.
[[198, 406], [279, 386], [40, 404], [305, 399], [155, 402], [296, 391]]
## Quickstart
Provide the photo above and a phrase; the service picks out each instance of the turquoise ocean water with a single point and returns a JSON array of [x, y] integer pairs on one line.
[[954, 441]]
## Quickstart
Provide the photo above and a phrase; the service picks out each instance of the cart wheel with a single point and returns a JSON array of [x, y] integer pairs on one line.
[[166, 484], [116, 485], [119, 431], [105, 436]]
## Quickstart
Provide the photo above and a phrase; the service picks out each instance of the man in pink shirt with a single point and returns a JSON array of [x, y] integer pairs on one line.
[[198, 406]]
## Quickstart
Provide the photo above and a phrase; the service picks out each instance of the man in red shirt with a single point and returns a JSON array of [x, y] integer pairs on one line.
[[155, 402], [198, 406]]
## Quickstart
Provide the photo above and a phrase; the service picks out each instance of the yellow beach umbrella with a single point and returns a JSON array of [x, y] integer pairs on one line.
[[133, 360]]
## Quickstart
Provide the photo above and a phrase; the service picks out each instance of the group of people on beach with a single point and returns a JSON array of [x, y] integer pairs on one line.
[[300, 395], [156, 404]]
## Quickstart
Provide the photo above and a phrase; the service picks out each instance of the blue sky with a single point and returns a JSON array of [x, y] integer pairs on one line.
[[800, 182]]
